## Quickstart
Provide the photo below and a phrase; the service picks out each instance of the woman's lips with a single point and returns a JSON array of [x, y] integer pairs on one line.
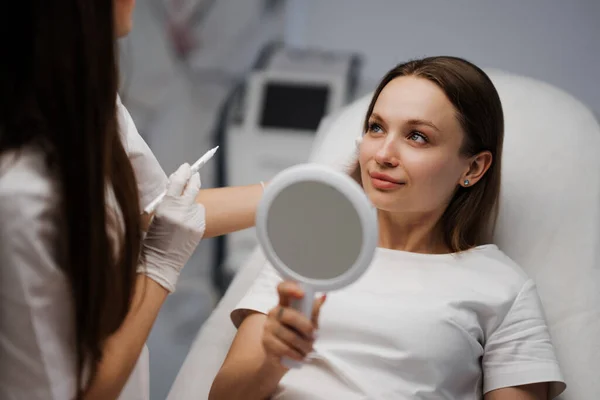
[[385, 182], [381, 184]]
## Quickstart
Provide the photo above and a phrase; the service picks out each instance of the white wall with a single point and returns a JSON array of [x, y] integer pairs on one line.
[[555, 41]]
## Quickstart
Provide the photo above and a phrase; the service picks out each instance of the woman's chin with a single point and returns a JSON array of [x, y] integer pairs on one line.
[[385, 201]]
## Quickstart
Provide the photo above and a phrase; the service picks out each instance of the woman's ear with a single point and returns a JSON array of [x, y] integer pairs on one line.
[[478, 166]]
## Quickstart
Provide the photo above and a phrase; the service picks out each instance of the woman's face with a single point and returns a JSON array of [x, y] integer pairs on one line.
[[123, 16], [410, 155]]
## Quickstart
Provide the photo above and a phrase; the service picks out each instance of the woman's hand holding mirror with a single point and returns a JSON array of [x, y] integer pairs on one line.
[[288, 332]]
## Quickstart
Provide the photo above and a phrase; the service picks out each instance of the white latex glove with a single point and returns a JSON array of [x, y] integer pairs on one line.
[[175, 231]]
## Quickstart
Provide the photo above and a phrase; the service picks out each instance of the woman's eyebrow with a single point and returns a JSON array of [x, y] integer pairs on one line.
[[413, 121], [376, 116], [423, 122]]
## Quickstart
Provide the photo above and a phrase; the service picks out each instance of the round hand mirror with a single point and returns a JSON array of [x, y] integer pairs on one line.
[[316, 227]]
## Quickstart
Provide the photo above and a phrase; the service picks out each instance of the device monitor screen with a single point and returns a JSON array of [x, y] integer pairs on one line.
[[294, 106]]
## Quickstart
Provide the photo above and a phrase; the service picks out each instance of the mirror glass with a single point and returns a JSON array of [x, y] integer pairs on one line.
[[314, 230]]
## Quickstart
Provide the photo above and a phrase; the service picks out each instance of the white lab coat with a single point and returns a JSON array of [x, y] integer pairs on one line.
[[37, 354]]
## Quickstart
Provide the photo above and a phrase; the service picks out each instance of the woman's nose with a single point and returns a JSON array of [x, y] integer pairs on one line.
[[387, 155]]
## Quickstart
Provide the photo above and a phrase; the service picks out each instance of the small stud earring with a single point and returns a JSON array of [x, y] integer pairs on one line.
[[466, 182]]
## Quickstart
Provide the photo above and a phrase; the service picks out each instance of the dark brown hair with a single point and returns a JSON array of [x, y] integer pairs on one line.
[[470, 217], [58, 90]]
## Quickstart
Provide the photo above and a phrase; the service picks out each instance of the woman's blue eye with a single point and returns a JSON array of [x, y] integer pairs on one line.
[[375, 128], [418, 137]]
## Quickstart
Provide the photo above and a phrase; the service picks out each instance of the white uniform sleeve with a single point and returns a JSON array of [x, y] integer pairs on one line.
[[261, 297], [151, 179], [37, 355], [520, 350]]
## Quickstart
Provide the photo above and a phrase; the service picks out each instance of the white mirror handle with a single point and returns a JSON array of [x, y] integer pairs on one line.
[[305, 306]]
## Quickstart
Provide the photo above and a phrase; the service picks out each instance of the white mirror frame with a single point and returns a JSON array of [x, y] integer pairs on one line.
[[352, 191]]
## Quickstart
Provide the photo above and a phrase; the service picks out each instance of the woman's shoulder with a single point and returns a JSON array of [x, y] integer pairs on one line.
[[27, 186], [494, 265], [491, 256]]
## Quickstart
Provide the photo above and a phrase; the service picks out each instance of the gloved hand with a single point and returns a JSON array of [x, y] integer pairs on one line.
[[175, 231]]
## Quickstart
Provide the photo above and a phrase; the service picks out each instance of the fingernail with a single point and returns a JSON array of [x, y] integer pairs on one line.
[[315, 335]]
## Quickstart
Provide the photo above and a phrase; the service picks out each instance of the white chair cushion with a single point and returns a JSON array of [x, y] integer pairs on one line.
[[549, 223]]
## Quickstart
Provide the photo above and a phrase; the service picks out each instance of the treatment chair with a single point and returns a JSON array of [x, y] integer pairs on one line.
[[549, 223]]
